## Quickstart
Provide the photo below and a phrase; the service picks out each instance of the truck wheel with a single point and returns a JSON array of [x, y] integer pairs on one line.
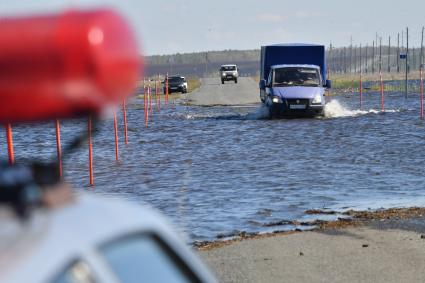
[[236, 81], [222, 82]]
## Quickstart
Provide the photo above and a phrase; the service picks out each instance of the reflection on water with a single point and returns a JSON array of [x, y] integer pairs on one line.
[[220, 170]]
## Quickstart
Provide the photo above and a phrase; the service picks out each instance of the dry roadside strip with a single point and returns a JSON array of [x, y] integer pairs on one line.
[[363, 246]]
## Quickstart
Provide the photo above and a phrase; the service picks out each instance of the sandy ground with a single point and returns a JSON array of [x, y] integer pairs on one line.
[[212, 92], [373, 253]]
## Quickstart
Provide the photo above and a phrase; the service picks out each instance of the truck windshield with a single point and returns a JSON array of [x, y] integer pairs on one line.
[[296, 76]]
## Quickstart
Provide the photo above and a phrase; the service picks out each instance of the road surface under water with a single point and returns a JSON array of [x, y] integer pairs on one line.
[[218, 170]]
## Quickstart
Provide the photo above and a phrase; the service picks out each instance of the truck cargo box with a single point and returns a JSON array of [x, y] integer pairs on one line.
[[308, 54]]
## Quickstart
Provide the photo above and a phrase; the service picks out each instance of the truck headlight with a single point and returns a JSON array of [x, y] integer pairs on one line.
[[276, 99], [317, 99]]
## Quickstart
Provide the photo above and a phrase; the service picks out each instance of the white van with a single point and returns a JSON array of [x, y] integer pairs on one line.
[[229, 73]]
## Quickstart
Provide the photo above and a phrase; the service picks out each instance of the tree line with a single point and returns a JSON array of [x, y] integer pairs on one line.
[[204, 57]]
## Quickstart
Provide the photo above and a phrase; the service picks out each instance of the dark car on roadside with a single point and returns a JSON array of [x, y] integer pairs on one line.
[[176, 84]]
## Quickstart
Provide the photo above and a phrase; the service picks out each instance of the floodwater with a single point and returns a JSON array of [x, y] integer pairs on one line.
[[215, 171]]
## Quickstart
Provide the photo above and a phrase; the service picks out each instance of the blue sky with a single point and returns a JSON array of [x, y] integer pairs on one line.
[[166, 27]]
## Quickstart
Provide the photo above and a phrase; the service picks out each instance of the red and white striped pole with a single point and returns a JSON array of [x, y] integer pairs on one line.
[[422, 90], [90, 152], [150, 98], [158, 99], [382, 92], [144, 100], [9, 138], [58, 145], [124, 113], [116, 136], [145, 104], [166, 90]]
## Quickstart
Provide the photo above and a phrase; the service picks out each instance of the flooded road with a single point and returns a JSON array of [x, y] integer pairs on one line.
[[218, 170]]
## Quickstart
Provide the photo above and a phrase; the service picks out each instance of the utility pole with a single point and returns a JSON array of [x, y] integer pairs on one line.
[[351, 54], [345, 60], [376, 45], [422, 47], [373, 57], [380, 54], [170, 62], [402, 39], [360, 54], [413, 61], [355, 59], [376, 39], [398, 52], [339, 60], [389, 53], [407, 59], [367, 47]]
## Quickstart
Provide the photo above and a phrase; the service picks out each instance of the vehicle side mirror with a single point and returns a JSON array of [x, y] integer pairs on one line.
[[262, 84], [328, 84]]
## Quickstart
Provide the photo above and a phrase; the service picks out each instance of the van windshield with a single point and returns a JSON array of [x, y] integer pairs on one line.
[[228, 68], [296, 76]]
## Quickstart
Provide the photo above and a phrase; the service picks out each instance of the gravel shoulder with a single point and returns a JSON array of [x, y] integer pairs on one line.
[[212, 92]]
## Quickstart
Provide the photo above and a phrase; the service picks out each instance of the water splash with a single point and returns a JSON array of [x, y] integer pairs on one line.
[[334, 109], [261, 113]]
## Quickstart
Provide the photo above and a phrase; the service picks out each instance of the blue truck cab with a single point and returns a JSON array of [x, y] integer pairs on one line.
[[293, 79]]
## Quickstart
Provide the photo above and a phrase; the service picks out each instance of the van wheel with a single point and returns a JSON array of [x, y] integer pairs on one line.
[[236, 81], [222, 82]]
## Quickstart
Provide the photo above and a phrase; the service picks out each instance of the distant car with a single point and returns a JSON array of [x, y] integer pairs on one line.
[[176, 84], [229, 73], [95, 240]]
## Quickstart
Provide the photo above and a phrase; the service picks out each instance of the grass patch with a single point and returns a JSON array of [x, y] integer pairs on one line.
[[193, 83], [392, 82]]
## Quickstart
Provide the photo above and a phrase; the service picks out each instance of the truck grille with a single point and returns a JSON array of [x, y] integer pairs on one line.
[[298, 101]]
